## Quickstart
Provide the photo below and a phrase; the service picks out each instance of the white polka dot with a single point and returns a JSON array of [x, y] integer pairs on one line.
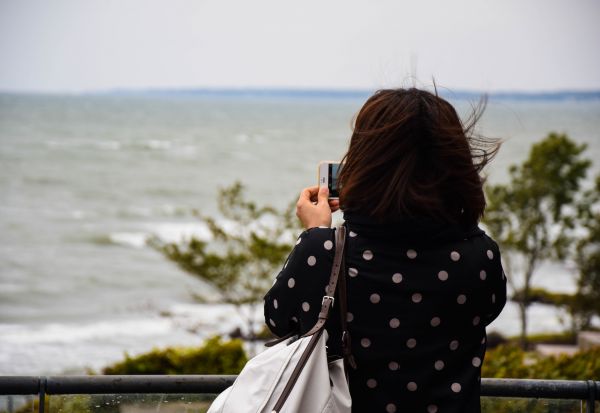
[[371, 383], [443, 275], [482, 275], [328, 245], [368, 255], [393, 365], [352, 234], [494, 298], [435, 321], [476, 362], [411, 343], [397, 278], [305, 306], [291, 283], [476, 320], [456, 387], [365, 342], [294, 319], [411, 386], [349, 317], [272, 322], [416, 298], [461, 299], [394, 323], [352, 272], [439, 365], [375, 298], [490, 254], [390, 408], [483, 340], [311, 260], [432, 408], [275, 304], [454, 256], [298, 241], [453, 345], [412, 254]]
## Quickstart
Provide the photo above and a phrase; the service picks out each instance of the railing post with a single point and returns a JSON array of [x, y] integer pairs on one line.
[[42, 395], [591, 399]]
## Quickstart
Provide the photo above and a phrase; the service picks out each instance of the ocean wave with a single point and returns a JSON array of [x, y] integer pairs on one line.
[[59, 348], [155, 144], [165, 210], [69, 333], [95, 144], [171, 232], [179, 231], [128, 239], [127, 144], [75, 348]]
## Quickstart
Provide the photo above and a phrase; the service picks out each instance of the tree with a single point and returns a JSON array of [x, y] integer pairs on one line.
[[246, 250], [534, 216], [586, 302]]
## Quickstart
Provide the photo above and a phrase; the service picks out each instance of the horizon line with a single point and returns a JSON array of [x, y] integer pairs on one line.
[[558, 94]]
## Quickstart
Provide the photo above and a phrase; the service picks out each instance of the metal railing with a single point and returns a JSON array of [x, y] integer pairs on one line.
[[588, 391]]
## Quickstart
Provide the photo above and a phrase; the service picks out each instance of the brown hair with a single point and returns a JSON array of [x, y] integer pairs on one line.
[[410, 155]]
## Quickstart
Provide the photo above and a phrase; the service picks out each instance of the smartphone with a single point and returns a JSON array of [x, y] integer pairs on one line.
[[328, 175]]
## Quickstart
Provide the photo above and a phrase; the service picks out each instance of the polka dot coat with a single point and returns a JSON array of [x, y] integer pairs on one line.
[[419, 298]]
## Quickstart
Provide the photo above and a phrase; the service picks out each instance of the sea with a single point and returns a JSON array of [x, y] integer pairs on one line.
[[85, 179]]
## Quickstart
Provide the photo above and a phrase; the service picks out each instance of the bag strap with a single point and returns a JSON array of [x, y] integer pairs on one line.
[[346, 342], [327, 302], [317, 330]]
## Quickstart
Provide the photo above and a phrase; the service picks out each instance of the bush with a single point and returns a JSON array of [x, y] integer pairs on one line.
[[509, 361], [214, 357]]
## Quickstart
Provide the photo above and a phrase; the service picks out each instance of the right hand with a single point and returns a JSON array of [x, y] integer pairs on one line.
[[314, 209]]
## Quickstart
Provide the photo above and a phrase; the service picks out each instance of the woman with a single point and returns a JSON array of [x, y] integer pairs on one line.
[[423, 279]]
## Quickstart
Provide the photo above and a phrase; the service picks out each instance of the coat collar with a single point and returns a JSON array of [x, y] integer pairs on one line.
[[413, 229]]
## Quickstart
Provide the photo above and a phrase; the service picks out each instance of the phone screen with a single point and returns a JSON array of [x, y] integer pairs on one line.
[[334, 170]]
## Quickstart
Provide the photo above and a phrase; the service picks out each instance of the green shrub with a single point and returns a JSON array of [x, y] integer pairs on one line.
[[213, 357], [509, 361]]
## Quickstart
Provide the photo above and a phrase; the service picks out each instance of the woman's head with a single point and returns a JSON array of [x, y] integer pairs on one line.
[[410, 155]]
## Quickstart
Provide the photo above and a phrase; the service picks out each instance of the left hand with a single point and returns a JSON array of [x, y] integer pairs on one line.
[[314, 209]]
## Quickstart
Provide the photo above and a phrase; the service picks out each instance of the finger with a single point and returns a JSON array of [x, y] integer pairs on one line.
[[309, 193], [323, 194], [334, 204]]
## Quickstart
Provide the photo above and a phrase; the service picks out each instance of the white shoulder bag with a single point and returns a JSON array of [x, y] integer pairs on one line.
[[294, 376]]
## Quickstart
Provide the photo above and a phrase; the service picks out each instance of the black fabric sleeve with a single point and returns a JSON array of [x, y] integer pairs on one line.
[[294, 300], [497, 282]]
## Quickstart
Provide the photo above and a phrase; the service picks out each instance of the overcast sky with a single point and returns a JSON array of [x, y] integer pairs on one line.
[[79, 45]]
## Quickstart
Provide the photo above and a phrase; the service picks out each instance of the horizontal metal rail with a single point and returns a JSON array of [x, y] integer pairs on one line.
[[210, 384]]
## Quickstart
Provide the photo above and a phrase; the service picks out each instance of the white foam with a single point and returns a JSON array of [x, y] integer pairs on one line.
[[158, 144], [179, 231], [59, 348], [108, 145], [58, 333], [130, 239]]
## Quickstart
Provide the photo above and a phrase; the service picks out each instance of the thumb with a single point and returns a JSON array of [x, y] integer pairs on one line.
[[323, 194]]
